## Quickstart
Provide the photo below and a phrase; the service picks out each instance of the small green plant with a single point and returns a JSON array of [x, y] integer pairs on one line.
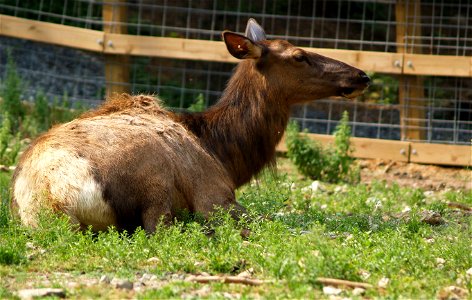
[[11, 94], [339, 157], [4, 199], [383, 90], [198, 105], [62, 110], [42, 112], [331, 164], [306, 154], [9, 143], [20, 120]]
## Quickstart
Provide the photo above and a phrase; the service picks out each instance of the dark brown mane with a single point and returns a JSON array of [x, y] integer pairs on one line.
[[127, 104], [246, 146]]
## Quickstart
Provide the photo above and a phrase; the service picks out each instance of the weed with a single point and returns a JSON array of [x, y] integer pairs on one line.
[[10, 144], [383, 90], [332, 164], [62, 111], [198, 105], [340, 162], [4, 200], [11, 94], [20, 120], [42, 112], [12, 251]]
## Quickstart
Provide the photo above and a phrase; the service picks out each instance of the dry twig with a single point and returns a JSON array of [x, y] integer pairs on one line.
[[459, 206], [389, 166], [225, 279], [340, 282]]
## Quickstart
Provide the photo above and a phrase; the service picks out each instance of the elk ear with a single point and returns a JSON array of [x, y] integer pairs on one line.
[[240, 46], [254, 31]]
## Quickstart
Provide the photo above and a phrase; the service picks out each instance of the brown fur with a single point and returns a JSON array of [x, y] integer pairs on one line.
[[146, 164], [248, 144], [130, 162], [124, 103]]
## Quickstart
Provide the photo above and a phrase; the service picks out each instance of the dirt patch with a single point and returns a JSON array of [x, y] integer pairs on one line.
[[427, 177]]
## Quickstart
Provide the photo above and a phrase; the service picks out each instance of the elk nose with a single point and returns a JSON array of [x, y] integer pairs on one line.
[[363, 77]]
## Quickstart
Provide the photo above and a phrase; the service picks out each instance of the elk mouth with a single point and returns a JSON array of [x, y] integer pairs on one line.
[[353, 92], [356, 87]]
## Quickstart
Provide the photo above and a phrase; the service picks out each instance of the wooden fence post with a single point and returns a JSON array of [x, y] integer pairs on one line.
[[116, 66], [411, 88]]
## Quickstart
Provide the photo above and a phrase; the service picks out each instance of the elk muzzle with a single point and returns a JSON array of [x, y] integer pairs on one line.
[[356, 86]]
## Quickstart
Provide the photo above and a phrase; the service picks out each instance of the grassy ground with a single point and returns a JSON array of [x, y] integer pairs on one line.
[[371, 234]]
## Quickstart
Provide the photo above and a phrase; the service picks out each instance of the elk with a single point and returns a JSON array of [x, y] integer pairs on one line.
[[132, 163]]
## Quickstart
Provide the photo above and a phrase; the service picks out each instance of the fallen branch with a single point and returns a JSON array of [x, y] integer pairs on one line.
[[225, 279], [340, 282], [459, 206], [389, 166]]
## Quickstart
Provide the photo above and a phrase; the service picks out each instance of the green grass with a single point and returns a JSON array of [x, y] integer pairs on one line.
[[352, 232]]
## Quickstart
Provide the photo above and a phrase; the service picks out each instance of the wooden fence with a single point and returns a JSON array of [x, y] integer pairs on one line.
[[123, 44], [118, 46]]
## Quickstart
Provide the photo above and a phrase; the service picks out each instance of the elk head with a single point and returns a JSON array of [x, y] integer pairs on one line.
[[298, 75]]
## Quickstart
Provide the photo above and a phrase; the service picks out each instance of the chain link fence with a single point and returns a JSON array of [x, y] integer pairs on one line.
[[441, 28]]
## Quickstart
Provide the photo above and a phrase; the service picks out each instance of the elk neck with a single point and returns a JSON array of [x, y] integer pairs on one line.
[[242, 130]]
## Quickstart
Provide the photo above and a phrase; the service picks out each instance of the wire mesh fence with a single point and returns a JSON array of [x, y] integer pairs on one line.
[[445, 26], [57, 72], [442, 28], [447, 108]]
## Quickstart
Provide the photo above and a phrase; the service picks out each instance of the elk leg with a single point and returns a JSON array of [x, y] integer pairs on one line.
[[228, 203], [153, 215], [236, 213], [206, 206], [236, 210]]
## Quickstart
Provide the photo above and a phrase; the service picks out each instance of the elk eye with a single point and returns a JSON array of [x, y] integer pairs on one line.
[[300, 57]]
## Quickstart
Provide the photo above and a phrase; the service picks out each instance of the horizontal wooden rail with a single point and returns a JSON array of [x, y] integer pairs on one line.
[[110, 43], [439, 65], [453, 155], [50, 33], [167, 47]]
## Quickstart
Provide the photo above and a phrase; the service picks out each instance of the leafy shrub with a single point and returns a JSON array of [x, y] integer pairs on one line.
[[198, 105], [9, 143], [11, 94], [383, 90], [62, 110], [306, 154], [20, 120], [4, 200], [331, 164], [11, 254], [27, 119], [42, 112]]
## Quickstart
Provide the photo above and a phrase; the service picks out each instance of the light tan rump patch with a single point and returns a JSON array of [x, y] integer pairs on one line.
[[58, 179]]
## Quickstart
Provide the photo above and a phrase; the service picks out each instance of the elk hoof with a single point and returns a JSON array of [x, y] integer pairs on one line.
[[245, 233]]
